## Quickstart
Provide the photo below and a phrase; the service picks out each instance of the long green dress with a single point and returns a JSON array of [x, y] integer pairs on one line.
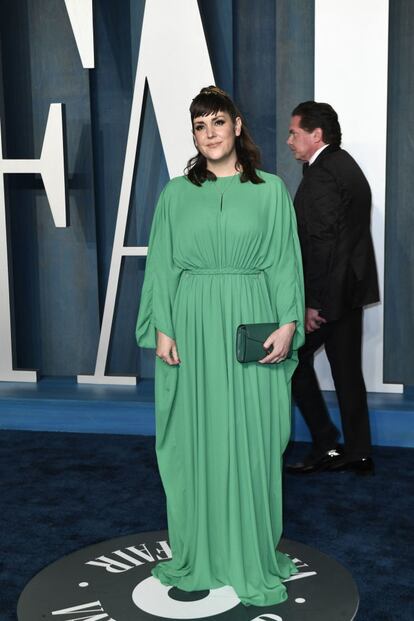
[[220, 255]]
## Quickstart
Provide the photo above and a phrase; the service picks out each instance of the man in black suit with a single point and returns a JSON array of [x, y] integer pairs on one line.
[[333, 207]]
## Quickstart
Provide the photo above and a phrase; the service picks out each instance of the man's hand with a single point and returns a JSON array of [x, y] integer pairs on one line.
[[280, 340], [313, 320], [167, 349]]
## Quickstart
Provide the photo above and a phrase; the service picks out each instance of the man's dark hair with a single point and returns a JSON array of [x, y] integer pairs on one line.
[[314, 114]]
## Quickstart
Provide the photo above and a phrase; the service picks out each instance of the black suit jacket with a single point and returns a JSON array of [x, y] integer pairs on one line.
[[333, 210]]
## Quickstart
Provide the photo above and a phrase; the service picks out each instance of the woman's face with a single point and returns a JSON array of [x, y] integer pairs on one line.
[[215, 136]]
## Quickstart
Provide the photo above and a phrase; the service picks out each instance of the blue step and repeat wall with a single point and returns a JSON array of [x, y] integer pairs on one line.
[[262, 53]]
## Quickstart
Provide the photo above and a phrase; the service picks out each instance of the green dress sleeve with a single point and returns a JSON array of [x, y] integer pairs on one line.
[[160, 281], [285, 274]]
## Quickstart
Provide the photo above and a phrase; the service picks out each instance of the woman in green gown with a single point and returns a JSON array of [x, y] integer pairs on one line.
[[223, 251]]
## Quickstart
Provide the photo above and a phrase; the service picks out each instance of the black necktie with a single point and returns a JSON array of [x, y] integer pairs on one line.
[[305, 167]]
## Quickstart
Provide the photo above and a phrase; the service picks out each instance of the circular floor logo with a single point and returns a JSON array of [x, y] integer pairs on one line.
[[112, 581]]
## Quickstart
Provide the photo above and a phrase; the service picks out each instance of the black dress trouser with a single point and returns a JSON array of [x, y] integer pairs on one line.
[[342, 340]]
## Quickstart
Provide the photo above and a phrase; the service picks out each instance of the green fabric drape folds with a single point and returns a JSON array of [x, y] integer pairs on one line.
[[222, 426]]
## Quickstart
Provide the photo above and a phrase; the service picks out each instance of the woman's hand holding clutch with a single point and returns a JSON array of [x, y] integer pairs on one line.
[[167, 349], [279, 343]]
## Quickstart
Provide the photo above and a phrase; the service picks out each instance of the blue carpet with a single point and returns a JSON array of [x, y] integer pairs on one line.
[[64, 491]]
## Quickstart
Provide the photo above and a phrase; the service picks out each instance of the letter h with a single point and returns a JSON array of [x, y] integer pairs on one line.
[[52, 168]]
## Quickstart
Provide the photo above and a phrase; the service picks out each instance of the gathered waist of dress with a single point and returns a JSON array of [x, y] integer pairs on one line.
[[222, 271]]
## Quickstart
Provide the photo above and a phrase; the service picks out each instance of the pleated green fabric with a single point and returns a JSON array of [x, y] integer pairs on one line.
[[220, 255]]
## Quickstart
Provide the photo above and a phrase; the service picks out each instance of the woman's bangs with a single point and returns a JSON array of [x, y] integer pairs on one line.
[[204, 105]]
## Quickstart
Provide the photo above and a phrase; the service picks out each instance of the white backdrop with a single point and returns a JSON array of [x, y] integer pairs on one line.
[[351, 66]]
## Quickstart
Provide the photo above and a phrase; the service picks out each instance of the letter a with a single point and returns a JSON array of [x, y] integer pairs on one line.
[[90, 609], [174, 61]]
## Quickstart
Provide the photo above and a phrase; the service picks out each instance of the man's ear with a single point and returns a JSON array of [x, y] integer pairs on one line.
[[318, 134]]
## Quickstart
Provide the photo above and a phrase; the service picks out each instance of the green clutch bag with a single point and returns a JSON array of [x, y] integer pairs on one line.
[[249, 341]]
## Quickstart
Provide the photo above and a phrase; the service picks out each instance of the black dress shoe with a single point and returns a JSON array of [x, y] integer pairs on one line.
[[362, 466], [312, 464]]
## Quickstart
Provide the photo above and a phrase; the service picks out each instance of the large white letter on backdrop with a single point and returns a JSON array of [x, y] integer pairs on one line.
[[51, 166], [174, 60], [81, 19], [351, 65]]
